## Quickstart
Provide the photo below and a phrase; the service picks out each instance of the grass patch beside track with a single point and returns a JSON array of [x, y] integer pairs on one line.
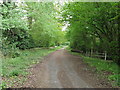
[[111, 69], [14, 70]]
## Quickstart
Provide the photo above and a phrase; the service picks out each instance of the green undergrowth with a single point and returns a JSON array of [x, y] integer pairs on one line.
[[107, 67], [16, 67]]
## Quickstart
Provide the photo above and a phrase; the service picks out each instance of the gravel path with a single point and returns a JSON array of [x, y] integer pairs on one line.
[[62, 70]]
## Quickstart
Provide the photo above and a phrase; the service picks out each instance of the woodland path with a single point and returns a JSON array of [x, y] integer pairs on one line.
[[61, 70]]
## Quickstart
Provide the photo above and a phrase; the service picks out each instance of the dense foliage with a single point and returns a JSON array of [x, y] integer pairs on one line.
[[93, 27], [28, 25], [45, 29]]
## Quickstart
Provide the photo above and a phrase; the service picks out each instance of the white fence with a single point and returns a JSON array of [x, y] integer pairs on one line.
[[98, 55]]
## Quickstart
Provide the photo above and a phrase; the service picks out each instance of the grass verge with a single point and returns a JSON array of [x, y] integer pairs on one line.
[[14, 70], [107, 68]]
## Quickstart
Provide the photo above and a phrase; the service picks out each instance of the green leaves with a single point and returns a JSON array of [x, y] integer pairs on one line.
[[44, 27], [93, 26], [14, 29], [29, 25]]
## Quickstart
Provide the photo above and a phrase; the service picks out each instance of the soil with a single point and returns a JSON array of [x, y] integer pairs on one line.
[[63, 70]]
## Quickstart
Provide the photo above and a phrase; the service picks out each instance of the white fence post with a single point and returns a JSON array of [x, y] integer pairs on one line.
[[105, 55]]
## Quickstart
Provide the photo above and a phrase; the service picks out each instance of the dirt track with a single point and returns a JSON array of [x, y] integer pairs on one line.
[[62, 70]]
